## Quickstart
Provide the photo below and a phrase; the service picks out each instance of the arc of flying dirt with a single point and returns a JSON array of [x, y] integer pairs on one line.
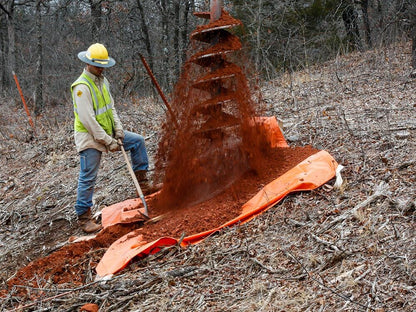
[[159, 90]]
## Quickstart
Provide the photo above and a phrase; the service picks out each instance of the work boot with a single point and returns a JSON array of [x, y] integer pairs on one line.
[[87, 223], [146, 186]]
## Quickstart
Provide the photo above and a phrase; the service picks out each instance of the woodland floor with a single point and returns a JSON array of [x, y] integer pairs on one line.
[[352, 249]]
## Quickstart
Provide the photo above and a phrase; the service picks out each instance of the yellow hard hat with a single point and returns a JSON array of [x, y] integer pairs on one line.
[[96, 55]]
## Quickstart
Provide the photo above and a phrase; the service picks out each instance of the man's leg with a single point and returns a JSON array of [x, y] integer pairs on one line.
[[134, 143], [89, 164]]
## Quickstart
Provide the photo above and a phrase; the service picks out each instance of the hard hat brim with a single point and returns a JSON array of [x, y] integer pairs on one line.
[[82, 56]]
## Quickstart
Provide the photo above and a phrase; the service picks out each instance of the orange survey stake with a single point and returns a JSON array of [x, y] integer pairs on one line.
[[23, 100]]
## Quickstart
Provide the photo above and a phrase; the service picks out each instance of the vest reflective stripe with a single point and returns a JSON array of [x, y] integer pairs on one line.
[[102, 106], [99, 110]]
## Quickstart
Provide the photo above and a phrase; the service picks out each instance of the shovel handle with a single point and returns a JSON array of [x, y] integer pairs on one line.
[[133, 176]]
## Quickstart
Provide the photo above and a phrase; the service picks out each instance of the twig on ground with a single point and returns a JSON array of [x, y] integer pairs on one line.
[[380, 191]]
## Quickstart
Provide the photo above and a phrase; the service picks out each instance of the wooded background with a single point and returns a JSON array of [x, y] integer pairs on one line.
[[40, 39]]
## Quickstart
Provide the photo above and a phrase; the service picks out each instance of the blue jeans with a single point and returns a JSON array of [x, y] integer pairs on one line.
[[90, 162]]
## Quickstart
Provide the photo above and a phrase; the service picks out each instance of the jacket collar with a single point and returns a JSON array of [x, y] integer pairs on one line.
[[97, 80]]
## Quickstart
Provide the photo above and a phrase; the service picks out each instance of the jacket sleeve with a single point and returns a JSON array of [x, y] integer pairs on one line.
[[86, 115]]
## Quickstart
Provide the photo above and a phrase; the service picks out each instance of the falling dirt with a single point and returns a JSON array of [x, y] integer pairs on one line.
[[216, 142]]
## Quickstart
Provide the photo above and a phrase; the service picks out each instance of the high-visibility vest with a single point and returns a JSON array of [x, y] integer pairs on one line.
[[102, 105]]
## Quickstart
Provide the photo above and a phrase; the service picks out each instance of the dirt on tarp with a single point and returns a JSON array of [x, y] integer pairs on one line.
[[70, 265]]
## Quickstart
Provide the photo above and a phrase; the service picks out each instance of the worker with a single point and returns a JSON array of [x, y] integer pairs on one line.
[[97, 129]]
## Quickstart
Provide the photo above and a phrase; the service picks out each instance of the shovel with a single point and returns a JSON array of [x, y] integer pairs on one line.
[[136, 183]]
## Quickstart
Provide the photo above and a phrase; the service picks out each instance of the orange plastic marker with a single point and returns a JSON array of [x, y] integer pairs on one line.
[[23, 100]]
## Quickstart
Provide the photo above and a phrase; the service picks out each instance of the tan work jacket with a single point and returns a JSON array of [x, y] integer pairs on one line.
[[96, 137]]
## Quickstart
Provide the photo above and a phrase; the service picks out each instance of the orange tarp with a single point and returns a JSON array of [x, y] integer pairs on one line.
[[272, 131], [128, 211], [307, 175], [126, 248]]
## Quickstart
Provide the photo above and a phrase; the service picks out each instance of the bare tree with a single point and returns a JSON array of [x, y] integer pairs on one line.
[[3, 52], [366, 22], [413, 35], [350, 18], [177, 26], [39, 68], [11, 39], [146, 35], [96, 19], [189, 5], [258, 34], [164, 11]]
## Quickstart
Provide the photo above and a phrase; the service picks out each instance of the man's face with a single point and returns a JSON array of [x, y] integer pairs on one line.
[[97, 71]]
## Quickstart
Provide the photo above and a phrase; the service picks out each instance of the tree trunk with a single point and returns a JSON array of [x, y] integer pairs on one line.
[[11, 38], [380, 14], [39, 71], [414, 50], [145, 31], [176, 37], [413, 34], [3, 51], [165, 42], [350, 17], [258, 35], [96, 20], [188, 5], [366, 21]]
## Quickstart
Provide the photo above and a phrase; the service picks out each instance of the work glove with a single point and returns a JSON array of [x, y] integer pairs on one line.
[[114, 146], [119, 134]]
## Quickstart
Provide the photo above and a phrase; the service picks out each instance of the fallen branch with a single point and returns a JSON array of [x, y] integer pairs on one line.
[[324, 242], [346, 274], [268, 299], [380, 191], [406, 164], [269, 270], [294, 222]]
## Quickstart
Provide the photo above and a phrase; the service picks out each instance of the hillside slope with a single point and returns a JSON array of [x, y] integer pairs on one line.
[[352, 249]]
